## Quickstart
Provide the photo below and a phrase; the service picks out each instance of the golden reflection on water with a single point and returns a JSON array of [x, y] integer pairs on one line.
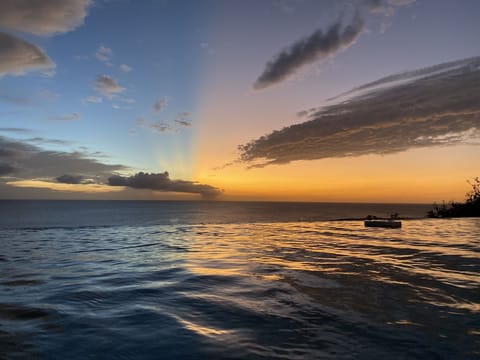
[[309, 255], [208, 331]]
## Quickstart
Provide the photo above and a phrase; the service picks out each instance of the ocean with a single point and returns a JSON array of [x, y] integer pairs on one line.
[[233, 280]]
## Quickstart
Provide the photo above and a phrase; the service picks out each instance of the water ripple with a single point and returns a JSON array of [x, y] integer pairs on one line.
[[293, 290]]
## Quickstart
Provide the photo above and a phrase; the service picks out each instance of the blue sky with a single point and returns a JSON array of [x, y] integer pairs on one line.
[[105, 64], [155, 44]]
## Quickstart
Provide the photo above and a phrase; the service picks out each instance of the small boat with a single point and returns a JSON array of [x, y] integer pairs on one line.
[[392, 224]]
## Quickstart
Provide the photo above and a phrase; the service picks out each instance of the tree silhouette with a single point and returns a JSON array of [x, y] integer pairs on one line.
[[471, 207]]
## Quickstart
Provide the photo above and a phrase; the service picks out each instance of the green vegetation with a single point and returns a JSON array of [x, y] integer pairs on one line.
[[470, 208]]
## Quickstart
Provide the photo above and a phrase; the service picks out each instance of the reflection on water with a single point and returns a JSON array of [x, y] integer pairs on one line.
[[295, 290]]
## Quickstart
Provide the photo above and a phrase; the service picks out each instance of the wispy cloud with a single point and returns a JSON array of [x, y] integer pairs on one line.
[[400, 2], [10, 98], [183, 118], [48, 95], [49, 73], [18, 56], [286, 6], [46, 141], [45, 17], [16, 130], [125, 68], [67, 117], [104, 53], [160, 104], [128, 100], [107, 85], [386, 7], [434, 108], [92, 99], [316, 46], [159, 126], [162, 182], [81, 57], [411, 75]]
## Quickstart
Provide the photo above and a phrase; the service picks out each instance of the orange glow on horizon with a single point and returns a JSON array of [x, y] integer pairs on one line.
[[414, 176], [80, 188]]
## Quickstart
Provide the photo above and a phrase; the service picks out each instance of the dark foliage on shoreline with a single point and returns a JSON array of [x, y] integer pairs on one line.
[[470, 208]]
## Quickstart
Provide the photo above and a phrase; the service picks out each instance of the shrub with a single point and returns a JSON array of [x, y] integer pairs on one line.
[[471, 207]]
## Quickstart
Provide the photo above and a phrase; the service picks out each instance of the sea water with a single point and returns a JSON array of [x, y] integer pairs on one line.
[[205, 280]]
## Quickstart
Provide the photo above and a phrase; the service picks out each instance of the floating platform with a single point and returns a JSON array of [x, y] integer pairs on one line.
[[391, 224]]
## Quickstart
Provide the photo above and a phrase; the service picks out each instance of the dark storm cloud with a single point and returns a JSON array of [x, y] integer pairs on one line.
[[18, 56], [438, 108], [162, 182], [316, 46], [43, 17], [70, 179], [6, 153], [31, 161], [6, 169]]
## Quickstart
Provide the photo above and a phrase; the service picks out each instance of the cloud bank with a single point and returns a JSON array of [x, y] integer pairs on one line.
[[162, 182], [18, 56], [24, 165], [434, 108], [43, 17], [316, 46], [33, 162]]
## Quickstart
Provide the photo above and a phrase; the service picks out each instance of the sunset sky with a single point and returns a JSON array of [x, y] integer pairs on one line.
[[297, 100]]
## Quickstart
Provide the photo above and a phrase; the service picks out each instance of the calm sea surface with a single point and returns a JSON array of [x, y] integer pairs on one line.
[[201, 280]]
